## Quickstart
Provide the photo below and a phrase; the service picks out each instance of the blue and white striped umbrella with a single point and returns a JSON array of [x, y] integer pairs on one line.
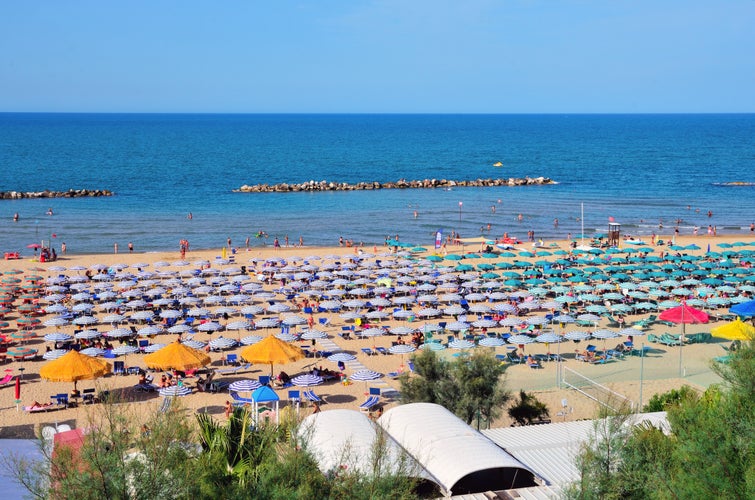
[[520, 339], [484, 323], [142, 315], [247, 385], [174, 390], [88, 334], [604, 333], [537, 320], [222, 343], [54, 354], [85, 320], [401, 330], [401, 349], [376, 315], [313, 334], [372, 332], [457, 326], [293, 320], [57, 337], [341, 356], [461, 344], [549, 338], [252, 309], [511, 321], [306, 380], [238, 325], [56, 308], [119, 332], [84, 307], [180, 328], [453, 310], [285, 336], [150, 330], [631, 332], [351, 316], [93, 351], [154, 347], [194, 344], [210, 326], [171, 314], [125, 349], [577, 335], [267, 323], [113, 318], [251, 339], [56, 322], [491, 342], [365, 375]]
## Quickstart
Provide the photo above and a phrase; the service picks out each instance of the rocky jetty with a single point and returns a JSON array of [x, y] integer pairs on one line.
[[316, 186], [71, 193]]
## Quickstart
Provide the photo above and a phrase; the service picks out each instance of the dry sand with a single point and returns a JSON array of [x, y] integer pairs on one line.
[[660, 369]]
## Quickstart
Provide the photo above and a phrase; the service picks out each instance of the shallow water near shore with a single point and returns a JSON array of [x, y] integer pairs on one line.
[[639, 169]]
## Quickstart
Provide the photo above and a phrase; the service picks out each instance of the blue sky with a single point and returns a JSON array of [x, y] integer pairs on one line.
[[402, 56]]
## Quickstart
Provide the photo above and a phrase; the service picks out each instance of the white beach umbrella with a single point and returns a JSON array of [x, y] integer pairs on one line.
[[365, 375], [461, 344], [307, 380], [92, 351], [576, 335], [210, 326], [57, 337], [194, 344], [87, 334], [313, 334], [125, 349], [154, 347], [174, 390], [341, 356], [150, 330], [119, 332], [433, 346], [491, 342], [246, 385], [55, 354], [251, 339], [222, 343], [402, 349], [520, 339]]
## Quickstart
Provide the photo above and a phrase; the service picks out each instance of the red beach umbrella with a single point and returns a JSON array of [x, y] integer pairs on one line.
[[17, 392], [683, 315]]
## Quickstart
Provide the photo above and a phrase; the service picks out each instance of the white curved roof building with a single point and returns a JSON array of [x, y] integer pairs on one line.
[[422, 440]]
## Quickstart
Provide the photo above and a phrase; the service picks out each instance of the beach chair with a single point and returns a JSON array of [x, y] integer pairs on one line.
[[165, 405], [264, 379], [382, 350], [368, 351], [231, 359], [534, 363], [513, 358], [7, 379], [87, 396], [372, 400], [294, 396], [323, 321], [61, 399], [143, 344], [145, 388], [310, 396], [410, 364], [119, 368]]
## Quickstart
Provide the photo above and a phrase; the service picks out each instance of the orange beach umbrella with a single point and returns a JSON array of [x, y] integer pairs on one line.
[[74, 366], [272, 350], [176, 356]]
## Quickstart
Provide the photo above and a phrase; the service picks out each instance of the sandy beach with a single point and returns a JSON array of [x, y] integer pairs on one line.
[[659, 370]]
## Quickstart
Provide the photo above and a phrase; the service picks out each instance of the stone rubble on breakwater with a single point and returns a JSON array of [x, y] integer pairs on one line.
[[401, 184], [71, 193]]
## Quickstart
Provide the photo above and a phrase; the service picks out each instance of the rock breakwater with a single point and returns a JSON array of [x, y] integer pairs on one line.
[[317, 186], [71, 193]]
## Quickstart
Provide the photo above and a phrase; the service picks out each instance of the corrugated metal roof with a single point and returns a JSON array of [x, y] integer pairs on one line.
[[550, 449]]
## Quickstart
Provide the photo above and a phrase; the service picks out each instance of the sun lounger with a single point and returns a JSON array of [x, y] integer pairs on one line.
[[165, 405], [368, 351], [43, 408], [310, 395], [381, 350], [7, 379], [370, 403], [234, 369]]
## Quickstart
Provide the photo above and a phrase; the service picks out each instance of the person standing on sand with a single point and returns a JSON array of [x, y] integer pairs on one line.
[[301, 241], [115, 247]]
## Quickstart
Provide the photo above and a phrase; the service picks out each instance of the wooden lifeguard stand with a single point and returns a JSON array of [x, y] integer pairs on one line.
[[614, 233]]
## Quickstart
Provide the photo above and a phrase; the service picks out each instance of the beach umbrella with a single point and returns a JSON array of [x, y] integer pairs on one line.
[[119, 332], [238, 325], [174, 390], [222, 343], [247, 385], [194, 344], [176, 356], [56, 322], [341, 357], [286, 336], [74, 366], [520, 339], [313, 334], [153, 348], [744, 309], [307, 380], [365, 375], [402, 349], [93, 351], [57, 337], [272, 350], [55, 354], [87, 334], [548, 338], [577, 335], [149, 330], [491, 342], [125, 349], [375, 332], [210, 326], [683, 315], [250, 339], [736, 330]]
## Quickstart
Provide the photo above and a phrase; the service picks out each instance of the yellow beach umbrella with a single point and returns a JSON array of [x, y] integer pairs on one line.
[[272, 350], [73, 366], [736, 330], [176, 356]]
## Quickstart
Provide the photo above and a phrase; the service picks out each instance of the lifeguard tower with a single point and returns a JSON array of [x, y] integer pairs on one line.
[[614, 234]]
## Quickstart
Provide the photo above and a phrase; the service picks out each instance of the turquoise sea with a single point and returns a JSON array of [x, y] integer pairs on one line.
[[639, 169]]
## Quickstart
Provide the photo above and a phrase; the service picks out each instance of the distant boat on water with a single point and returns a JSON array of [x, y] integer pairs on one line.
[[498, 164]]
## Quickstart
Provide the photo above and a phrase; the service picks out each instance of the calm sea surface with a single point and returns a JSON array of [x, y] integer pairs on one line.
[[639, 169]]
